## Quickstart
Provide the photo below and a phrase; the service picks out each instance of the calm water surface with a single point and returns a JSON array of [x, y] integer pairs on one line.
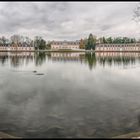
[[69, 94]]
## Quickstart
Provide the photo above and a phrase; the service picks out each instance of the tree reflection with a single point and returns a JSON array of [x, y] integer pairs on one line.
[[3, 59], [40, 58], [49, 56], [91, 59], [15, 61]]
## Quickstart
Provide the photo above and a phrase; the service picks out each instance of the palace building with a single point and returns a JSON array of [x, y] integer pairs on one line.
[[118, 47], [18, 47], [57, 45]]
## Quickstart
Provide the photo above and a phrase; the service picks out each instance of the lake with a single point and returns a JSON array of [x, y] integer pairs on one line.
[[69, 95]]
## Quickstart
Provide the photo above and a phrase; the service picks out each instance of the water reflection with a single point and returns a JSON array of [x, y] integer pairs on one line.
[[102, 59], [82, 94], [92, 59], [16, 59], [117, 58], [40, 58]]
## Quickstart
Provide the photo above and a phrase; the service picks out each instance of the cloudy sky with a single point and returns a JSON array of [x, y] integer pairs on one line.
[[68, 20]]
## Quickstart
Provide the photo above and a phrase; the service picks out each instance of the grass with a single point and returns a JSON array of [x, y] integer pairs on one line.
[[129, 135]]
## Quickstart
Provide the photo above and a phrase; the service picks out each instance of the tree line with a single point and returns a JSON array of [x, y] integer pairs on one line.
[[90, 42], [38, 42], [117, 40]]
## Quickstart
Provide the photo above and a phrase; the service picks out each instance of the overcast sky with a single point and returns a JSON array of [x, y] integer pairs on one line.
[[68, 20]]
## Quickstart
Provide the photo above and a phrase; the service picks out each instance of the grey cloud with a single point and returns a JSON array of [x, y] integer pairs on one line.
[[105, 27], [58, 20]]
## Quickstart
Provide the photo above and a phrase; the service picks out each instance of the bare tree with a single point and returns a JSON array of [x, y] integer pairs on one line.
[[15, 39], [136, 15]]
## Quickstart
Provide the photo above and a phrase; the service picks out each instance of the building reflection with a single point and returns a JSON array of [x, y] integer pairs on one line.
[[17, 59], [62, 57], [82, 57], [117, 58], [101, 58]]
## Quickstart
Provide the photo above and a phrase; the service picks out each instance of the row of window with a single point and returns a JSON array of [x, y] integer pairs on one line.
[[67, 43], [13, 48], [125, 48], [122, 45], [65, 55], [61, 47], [114, 54]]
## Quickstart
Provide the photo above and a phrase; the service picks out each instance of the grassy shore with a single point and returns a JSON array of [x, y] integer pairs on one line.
[[64, 51], [7, 136], [129, 135]]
